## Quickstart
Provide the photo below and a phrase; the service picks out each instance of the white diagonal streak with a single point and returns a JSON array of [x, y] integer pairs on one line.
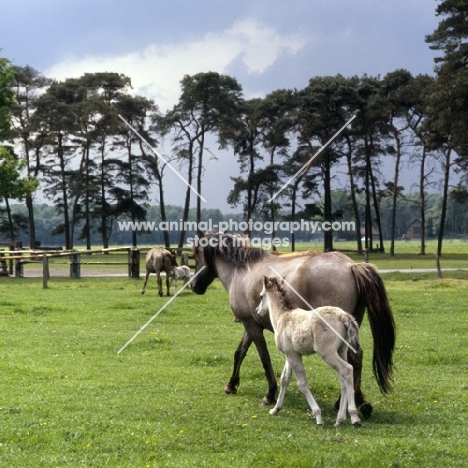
[[135, 131], [311, 308], [307, 164], [160, 310]]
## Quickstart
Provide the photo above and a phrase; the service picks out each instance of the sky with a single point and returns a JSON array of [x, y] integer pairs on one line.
[[266, 45]]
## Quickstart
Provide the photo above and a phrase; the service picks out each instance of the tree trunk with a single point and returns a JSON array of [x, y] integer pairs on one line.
[[199, 178], [66, 218], [353, 196], [395, 191], [443, 211], [105, 239], [423, 202], [87, 214], [32, 224], [132, 203], [368, 214], [10, 220], [377, 211], [293, 213], [162, 207], [187, 197], [327, 209]]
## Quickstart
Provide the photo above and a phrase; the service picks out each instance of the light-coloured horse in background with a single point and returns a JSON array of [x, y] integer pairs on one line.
[[179, 272], [159, 260], [326, 331]]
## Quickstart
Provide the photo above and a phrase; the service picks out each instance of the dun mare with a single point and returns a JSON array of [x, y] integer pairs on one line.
[[157, 261], [321, 279], [326, 331], [180, 272]]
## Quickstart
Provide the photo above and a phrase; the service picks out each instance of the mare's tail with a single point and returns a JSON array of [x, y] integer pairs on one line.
[[372, 291]]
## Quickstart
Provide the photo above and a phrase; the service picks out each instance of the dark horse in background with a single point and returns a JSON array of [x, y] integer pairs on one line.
[[328, 279]]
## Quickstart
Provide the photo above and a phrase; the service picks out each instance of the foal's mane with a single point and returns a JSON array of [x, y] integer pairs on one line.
[[231, 248], [277, 288]]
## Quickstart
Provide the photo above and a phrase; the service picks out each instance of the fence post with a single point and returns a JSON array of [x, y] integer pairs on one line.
[[133, 263], [45, 270], [19, 271], [75, 266]]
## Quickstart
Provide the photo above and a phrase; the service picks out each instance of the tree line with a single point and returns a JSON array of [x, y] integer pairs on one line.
[[47, 217], [71, 136]]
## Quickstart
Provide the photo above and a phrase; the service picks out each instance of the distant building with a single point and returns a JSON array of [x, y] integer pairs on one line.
[[375, 234], [414, 230]]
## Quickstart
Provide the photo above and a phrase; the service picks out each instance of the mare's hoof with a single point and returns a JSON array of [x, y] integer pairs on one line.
[[357, 424], [366, 410], [229, 390], [268, 401]]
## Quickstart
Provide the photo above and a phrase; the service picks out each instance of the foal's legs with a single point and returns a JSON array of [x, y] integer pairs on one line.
[[284, 382], [295, 362], [345, 371], [355, 359]]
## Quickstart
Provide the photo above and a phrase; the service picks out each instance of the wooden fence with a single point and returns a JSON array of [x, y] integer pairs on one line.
[[15, 260]]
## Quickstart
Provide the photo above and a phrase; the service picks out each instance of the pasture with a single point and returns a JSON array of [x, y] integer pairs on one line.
[[67, 398]]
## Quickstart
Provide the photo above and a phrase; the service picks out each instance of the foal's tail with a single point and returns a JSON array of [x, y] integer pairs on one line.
[[372, 291], [352, 329]]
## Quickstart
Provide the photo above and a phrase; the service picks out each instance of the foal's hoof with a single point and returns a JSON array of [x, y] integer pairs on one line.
[[357, 424], [366, 410]]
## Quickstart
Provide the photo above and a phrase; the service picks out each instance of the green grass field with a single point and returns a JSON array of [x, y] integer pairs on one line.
[[67, 399]]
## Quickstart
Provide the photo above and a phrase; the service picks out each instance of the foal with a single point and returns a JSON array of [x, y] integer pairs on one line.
[[179, 272], [326, 331]]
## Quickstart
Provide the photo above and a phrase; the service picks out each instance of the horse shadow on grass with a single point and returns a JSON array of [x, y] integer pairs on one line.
[[295, 404]]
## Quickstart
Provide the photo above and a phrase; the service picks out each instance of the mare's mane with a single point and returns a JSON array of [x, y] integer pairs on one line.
[[231, 248], [298, 253], [236, 249]]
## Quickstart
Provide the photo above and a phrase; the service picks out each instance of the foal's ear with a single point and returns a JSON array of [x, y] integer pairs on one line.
[[265, 280]]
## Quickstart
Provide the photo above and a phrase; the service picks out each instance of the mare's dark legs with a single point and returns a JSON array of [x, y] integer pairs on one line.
[[355, 359], [239, 356], [146, 280], [160, 289], [167, 284], [254, 333]]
